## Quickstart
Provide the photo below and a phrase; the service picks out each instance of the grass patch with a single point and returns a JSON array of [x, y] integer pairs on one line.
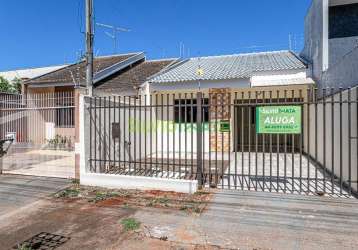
[[130, 224], [68, 193], [101, 196], [24, 247], [75, 181]]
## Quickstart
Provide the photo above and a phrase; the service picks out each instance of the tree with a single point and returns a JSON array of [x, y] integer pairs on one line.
[[10, 87], [16, 85], [5, 85]]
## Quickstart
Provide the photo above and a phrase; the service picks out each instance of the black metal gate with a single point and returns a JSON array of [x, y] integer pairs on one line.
[[215, 138]]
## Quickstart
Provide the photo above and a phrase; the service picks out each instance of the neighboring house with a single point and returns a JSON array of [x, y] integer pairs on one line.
[[67, 78], [229, 79], [331, 42], [121, 74], [26, 74], [129, 81]]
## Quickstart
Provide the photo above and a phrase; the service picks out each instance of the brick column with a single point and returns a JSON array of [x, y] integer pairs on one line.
[[222, 98]]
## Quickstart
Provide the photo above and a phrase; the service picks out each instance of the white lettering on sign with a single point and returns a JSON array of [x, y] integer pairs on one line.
[[279, 120]]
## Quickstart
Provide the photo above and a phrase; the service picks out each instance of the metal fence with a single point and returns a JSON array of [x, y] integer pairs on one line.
[[220, 139], [43, 128]]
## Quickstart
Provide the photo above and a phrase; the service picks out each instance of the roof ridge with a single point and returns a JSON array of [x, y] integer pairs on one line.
[[32, 68], [244, 54], [115, 55], [162, 59]]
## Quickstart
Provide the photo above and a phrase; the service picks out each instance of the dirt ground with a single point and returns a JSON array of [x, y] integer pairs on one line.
[[92, 218], [97, 218]]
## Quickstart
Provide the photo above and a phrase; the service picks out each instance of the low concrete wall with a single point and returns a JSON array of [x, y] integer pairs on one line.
[[138, 182]]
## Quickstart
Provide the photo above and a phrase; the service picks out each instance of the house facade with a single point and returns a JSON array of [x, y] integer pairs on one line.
[[113, 75], [225, 81], [331, 42]]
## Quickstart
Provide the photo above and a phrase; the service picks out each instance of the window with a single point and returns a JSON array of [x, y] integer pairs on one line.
[[65, 112], [185, 110], [343, 21]]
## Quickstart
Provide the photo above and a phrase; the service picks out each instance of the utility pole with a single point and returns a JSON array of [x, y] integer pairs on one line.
[[89, 46]]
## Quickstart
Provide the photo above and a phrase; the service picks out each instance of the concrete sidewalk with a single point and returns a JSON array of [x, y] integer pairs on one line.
[[17, 191], [251, 220]]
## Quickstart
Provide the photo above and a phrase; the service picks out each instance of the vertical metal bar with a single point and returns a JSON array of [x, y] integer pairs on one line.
[[179, 142], [308, 139], [209, 114], [349, 144], [356, 122], [316, 137], [135, 134], [129, 130], [199, 140], [168, 149], [105, 144], [113, 138], [285, 148], [156, 135], [270, 150], [119, 108], [151, 135], [162, 131], [140, 132], [293, 152], [100, 139], [125, 123], [91, 136], [235, 137], [192, 132], [185, 132], [95, 133], [263, 148], [216, 139], [222, 142], [145, 134], [229, 140], [333, 140], [278, 149], [324, 140], [302, 136], [256, 144], [340, 142], [243, 172], [203, 136], [250, 124], [109, 131], [174, 133]]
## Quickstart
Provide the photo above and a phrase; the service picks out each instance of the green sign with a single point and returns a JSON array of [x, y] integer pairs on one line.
[[225, 126], [278, 120]]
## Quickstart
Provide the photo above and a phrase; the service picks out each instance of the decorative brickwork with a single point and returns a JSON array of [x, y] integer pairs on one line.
[[220, 100]]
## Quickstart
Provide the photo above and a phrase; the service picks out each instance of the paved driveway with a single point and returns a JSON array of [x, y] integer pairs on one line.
[[17, 191]]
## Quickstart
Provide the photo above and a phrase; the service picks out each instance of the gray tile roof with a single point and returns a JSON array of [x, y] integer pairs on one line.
[[230, 66]]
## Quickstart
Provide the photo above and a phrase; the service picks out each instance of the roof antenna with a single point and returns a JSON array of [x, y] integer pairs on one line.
[[114, 33]]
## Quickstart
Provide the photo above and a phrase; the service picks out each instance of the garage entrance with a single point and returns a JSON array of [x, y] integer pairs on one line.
[[42, 129]]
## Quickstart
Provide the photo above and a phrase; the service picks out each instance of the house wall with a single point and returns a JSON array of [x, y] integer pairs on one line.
[[103, 93], [314, 39], [332, 61], [41, 125], [213, 140]]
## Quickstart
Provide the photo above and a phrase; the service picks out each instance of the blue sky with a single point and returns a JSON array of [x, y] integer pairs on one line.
[[41, 33]]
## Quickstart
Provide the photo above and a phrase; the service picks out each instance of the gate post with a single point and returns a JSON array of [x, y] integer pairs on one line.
[[199, 139]]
